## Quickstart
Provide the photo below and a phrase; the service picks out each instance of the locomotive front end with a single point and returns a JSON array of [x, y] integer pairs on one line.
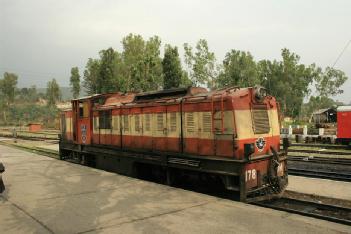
[[264, 175]]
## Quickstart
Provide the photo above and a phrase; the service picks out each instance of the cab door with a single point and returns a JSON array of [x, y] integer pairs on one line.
[[83, 123]]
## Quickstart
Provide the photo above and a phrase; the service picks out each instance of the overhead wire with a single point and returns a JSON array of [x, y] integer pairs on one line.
[[342, 52]]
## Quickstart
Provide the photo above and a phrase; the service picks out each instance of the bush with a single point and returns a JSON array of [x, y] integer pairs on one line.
[[22, 114]]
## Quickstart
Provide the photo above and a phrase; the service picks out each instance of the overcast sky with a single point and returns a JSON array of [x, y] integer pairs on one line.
[[43, 39]]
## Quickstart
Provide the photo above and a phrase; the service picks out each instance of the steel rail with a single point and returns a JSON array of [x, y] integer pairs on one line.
[[321, 160], [38, 138], [319, 152], [320, 174], [327, 212], [325, 146]]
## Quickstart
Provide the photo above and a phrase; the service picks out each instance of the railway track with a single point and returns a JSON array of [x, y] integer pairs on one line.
[[331, 213], [320, 167], [340, 176], [34, 137], [325, 146], [54, 140], [322, 160], [309, 151]]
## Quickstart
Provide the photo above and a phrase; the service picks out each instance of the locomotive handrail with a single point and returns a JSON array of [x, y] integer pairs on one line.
[[195, 97], [228, 89], [222, 111], [232, 88]]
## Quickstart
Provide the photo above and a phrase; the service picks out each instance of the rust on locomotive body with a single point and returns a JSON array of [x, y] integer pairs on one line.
[[233, 133]]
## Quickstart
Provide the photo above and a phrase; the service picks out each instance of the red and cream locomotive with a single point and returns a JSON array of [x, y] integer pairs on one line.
[[232, 133]]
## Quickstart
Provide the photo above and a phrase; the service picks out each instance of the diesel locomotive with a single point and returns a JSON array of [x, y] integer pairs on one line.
[[232, 134]]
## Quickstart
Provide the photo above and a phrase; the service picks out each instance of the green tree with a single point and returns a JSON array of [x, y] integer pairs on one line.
[[152, 68], [106, 77], [91, 76], [201, 64], [7, 92], [329, 81], [75, 82], [28, 95], [53, 93], [142, 68], [132, 56], [185, 80], [239, 69], [137, 68], [287, 80], [172, 69], [8, 87]]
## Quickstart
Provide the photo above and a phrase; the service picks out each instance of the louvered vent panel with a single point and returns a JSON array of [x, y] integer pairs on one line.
[[126, 123], [96, 121], [206, 121], [260, 119], [160, 122], [137, 123], [173, 121], [147, 122], [190, 124], [115, 122]]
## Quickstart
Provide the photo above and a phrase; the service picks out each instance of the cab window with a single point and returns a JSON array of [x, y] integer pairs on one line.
[[83, 110]]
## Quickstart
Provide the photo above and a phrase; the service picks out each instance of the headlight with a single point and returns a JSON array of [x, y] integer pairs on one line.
[[260, 93]]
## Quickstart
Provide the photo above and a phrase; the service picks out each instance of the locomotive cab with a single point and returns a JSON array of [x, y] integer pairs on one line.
[[81, 120]]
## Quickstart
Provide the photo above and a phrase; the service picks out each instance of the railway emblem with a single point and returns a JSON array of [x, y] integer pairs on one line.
[[260, 144], [83, 128]]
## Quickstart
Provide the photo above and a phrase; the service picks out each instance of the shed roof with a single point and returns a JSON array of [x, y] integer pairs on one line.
[[321, 111], [344, 108]]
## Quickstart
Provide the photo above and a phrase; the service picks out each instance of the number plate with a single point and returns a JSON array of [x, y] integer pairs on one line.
[[250, 175]]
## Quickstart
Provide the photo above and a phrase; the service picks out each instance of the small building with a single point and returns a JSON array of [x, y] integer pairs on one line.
[[34, 127], [327, 115], [288, 119], [344, 122]]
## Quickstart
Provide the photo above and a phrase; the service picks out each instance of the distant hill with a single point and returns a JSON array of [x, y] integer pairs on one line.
[[65, 91]]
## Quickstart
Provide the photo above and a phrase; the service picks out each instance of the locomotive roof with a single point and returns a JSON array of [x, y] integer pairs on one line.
[[88, 97], [118, 99], [169, 93]]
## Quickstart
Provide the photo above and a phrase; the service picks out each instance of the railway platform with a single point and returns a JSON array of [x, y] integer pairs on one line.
[[320, 187], [45, 195]]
